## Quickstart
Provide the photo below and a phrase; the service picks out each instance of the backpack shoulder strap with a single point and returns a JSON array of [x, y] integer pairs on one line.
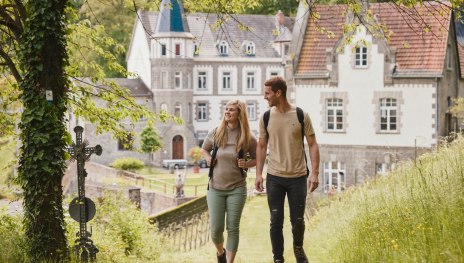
[[300, 114], [266, 120], [213, 158]]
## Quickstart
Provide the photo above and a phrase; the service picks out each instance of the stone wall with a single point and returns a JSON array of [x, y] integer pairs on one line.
[[148, 201]]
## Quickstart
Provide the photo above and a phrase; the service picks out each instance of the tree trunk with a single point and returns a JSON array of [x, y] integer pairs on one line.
[[42, 162]]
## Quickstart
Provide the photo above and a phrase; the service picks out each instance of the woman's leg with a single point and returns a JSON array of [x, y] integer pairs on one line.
[[235, 202], [216, 208]]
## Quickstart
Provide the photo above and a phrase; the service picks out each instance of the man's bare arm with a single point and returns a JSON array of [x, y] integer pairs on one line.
[[261, 149], [313, 181]]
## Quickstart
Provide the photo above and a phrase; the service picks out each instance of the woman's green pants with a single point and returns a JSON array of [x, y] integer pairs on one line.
[[226, 206]]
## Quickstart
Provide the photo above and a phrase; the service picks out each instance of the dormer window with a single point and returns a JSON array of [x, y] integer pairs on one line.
[[250, 49], [361, 57], [163, 50], [196, 49], [223, 48]]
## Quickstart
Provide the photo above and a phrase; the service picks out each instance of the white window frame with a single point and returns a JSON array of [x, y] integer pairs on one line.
[[388, 110], [257, 81], [273, 71], [250, 81], [163, 50], [251, 111], [164, 107], [226, 80], [208, 87], [175, 49], [360, 59], [233, 80], [223, 48], [250, 48], [334, 108], [202, 80], [202, 108], [331, 169], [178, 109], [178, 79]]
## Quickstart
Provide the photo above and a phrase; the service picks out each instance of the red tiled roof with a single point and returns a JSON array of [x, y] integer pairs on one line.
[[461, 58], [416, 50]]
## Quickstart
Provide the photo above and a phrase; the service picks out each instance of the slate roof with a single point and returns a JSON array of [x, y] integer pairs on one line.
[[136, 86], [417, 52], [262, 33], [170, 18]]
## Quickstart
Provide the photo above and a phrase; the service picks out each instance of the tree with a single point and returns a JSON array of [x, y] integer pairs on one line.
[[195, 154], [150, 142], [43, 59]]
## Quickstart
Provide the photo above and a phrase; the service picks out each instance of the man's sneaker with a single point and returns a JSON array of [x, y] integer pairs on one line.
[[300, 254], [222, 258], [279, 261]]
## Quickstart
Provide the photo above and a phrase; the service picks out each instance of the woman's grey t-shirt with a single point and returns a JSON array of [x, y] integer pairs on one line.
[[226, 174]]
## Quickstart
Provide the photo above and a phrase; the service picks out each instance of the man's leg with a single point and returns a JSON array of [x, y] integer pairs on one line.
[[275, 198], [297, 190]]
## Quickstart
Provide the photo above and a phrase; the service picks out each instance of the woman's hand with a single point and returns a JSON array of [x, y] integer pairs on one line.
[[242, 163]]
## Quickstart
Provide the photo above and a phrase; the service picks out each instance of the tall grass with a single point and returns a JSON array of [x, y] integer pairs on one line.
[[415, 214]]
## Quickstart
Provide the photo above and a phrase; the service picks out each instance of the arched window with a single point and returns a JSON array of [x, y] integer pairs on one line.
[[164, 107], [223, 48], [250, 48]]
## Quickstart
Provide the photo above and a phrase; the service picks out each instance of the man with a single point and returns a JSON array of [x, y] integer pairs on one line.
[[286, 168]]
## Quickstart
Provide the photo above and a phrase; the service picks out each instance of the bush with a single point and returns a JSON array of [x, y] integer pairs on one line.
[[128, 163], [121, 232], [12, 241]]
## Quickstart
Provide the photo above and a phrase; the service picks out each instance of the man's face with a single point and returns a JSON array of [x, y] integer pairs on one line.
[[270, 96]]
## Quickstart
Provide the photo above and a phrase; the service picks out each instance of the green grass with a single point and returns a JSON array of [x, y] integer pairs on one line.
[[415, 214], [7, 149]]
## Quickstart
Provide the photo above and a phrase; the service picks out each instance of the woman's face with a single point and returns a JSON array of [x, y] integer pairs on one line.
[[231, 113]]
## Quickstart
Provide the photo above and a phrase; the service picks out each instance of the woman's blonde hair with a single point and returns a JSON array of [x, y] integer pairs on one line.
[[244, 137]]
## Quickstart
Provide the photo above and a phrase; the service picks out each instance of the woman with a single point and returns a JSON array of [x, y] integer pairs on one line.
[[227, 186]]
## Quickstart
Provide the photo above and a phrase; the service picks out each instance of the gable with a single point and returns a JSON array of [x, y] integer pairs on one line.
[[417, 52]]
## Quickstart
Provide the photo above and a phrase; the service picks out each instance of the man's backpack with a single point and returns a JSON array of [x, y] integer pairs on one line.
[[299, 113]]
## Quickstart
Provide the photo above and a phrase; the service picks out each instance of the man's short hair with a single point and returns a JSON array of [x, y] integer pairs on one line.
[[277, 83]]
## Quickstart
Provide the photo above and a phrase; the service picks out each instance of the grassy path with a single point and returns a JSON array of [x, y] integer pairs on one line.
[[255, 245]]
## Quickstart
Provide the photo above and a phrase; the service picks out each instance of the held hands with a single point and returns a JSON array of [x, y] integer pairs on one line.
[[313, 182]]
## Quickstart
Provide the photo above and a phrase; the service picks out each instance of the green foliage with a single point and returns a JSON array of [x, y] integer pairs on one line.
[[458, 108], [42, 59], [195, 154], [150, 141], [128, 164], [121, 232], [13, 241], [414, 214]]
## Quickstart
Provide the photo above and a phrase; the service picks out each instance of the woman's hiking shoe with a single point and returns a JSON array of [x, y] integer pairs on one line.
[[222, 258], [300, 254]]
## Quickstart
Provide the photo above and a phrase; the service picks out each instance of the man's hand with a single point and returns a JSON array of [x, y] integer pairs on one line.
[[313, 182], [259, 183]]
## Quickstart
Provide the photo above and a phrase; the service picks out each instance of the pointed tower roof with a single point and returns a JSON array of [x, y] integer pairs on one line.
[[171, 17]]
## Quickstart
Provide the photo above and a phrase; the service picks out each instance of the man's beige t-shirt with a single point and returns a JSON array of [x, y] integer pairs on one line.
[[226, 174], [285, 144]]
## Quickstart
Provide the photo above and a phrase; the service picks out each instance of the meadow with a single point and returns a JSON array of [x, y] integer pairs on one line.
[[414, 214]]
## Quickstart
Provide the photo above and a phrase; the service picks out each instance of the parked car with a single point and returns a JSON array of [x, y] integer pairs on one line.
[[203, 164], [176, 163]]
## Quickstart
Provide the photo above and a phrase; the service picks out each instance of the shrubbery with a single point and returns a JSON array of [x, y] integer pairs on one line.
[[12, 239], [121, 232], [128, 164]]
